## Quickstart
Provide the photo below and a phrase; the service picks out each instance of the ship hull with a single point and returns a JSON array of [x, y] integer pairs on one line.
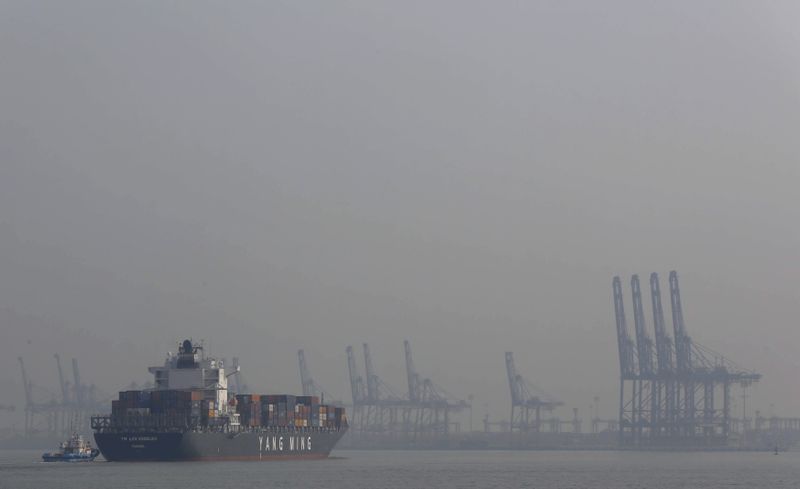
[[68, 458], [196, 446]]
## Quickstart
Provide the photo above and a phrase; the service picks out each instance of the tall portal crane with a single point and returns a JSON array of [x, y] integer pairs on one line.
[[513, 382], [414, 392], [628, 411], [26, 383], [30, 408], [378, 391], [627, 364], [356, 381], [79, 397], [647, 401], [664, 424], [683, 343], [431, 401], [306, 381], [381, 403], [237, 375], [309, 385], [683, 350], [357, 390], [81, 403], [523, 401], [663, 341], [372, 379], [515, 387], [60, 416], [411, 373], [644, 345], [682, 385], [61, 382]]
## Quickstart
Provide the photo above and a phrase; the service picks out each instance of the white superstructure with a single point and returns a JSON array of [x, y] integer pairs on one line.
[[190, 369]]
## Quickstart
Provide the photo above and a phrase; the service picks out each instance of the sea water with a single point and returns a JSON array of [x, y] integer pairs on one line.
[[22, 469]]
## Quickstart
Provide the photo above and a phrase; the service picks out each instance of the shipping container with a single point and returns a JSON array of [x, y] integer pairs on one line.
[[307, 400]]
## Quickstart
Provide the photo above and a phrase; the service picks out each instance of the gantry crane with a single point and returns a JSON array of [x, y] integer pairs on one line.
[[433, 405], [309, 386], [306, 382], [30, 407], [524, 402], [645, 402], [356, 389], [664, 415], [662, 404]]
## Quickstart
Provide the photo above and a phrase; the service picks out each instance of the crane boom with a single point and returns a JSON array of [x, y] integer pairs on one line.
[[413, 377], [663, 341], [61, 382], [356, 382], [644, 344], [26, 383], [78, 386], [237, 375], [372, 378], [683, 343], [624, 343], [306, 382], [513, 379]]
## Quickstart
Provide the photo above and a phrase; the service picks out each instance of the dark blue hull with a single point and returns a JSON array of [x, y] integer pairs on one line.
[[191, 445]]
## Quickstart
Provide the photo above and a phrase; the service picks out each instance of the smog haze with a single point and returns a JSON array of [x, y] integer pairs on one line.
[[270, 176]]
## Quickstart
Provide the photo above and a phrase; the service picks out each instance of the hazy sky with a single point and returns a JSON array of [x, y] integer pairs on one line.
[[467, 175]]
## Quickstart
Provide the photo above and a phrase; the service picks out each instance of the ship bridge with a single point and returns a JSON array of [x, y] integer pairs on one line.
[[190, 369]]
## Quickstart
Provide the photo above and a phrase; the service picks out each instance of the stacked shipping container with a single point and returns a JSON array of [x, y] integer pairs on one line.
[[168, 402], [286, 410], [254, 410]]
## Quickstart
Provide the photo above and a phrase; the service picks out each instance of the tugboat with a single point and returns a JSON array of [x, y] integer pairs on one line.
[[76, 449]]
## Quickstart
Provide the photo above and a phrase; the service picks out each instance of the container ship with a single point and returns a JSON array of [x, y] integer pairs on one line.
[[190, 415]]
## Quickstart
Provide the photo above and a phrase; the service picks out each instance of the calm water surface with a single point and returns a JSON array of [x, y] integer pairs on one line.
[[407, 469]]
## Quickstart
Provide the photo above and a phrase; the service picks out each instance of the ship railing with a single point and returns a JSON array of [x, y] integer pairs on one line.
[[145, 422], [292, 429], [182, 423]]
